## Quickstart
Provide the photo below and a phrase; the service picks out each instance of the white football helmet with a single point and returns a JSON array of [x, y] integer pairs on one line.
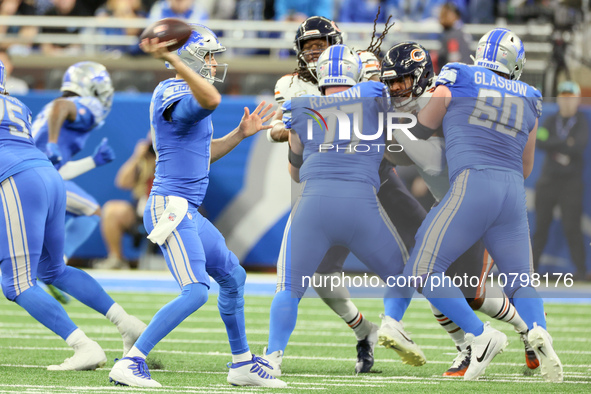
[[501, 50], [198, 47], [339, 66], [89, 79]]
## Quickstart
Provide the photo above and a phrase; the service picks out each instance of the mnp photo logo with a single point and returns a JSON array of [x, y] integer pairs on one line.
[[357, 127]]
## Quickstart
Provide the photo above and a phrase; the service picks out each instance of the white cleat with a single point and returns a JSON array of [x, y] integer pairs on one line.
[[87, 356], [132, 371], [550, 364], [252, 373], [274, 360], [392, 336], [130, 331], [483, 349]]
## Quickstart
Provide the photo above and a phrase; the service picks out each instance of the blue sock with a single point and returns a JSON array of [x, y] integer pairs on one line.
[[84, 288], [171, 315], [451, 302], [530, 307], [78, 229], [46, 310], [284, 315], [231, 307], [396, 301]]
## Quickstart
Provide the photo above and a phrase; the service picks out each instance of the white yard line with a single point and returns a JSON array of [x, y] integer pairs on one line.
[[261, 343], [228, 355]]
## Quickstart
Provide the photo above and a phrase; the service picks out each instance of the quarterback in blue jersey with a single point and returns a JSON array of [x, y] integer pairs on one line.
[[338, 203], [61, 130], [489, 121], [182, 131], [32, 210]]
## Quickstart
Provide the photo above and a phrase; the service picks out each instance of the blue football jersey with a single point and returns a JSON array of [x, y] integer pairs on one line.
[[332, 149], [488, 119], [91, 115], [17, 148], [181, 135]]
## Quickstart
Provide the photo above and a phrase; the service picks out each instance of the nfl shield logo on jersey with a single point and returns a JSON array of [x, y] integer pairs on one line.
[[172, 217]]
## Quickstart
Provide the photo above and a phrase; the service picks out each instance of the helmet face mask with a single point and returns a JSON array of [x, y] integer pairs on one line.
[[314, 28], [89, 79], [501, 50], [311, 49], [407, 64], [405, 85], [198, 52]]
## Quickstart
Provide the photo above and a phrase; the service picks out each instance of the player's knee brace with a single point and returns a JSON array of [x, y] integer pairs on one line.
[[231, 296]]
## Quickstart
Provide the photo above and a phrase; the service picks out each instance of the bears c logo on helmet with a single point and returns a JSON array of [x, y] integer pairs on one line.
[[417, 55]]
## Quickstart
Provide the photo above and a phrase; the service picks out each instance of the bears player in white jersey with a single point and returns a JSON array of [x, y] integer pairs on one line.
[[312, 38], [489, 120], [408, 72], [182, 136], [32, 211]]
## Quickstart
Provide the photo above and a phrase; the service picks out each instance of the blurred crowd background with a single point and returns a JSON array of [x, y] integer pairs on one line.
[[555, 34]]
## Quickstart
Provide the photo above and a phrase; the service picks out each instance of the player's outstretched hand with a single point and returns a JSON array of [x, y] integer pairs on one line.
[[103, 153], [52, 150], [157, 49], [253, 123]]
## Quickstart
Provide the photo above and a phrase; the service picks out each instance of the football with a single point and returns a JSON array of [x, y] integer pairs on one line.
[[173, 31]]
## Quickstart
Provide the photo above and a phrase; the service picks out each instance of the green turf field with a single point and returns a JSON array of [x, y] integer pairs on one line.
[[320, 357]]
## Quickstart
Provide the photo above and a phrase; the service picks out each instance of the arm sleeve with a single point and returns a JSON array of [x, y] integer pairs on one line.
[[72, 169], [188, 110], [428, 155]]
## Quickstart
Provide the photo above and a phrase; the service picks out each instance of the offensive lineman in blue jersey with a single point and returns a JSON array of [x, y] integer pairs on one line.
[[313, 36], [61, 130], [338, 203], [408, 72], [489, 121], [182, 130], [32, 210]]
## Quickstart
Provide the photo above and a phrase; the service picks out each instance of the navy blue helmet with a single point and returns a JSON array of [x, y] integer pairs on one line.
[[315, 27], [407, 58]]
